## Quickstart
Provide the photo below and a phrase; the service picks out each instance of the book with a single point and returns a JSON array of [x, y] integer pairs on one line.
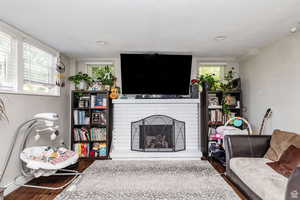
[[98, 101], [81, 117], [98, 134], [99, 150], [81, 134], [82, 149]]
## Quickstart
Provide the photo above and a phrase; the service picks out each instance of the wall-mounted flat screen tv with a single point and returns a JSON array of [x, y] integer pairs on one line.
[[156, 74]]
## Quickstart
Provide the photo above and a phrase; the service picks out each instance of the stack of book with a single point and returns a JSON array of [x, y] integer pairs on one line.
[[81, 134], [81, 118], [99, 150], [82, 149], [98, 134], [98, 101], [216, 116]]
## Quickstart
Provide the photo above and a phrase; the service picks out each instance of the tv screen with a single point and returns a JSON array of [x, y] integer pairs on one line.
[[155, 74]]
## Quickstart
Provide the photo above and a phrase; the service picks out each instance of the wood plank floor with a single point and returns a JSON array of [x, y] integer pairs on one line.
[[24, 193]]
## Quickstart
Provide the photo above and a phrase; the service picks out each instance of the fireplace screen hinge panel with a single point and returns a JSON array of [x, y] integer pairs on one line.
[[158, 133]]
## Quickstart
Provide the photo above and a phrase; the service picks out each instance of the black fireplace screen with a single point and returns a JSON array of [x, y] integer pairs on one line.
[[158, 133]]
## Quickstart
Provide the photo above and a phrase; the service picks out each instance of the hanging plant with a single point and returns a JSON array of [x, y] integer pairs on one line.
[[3, 115]]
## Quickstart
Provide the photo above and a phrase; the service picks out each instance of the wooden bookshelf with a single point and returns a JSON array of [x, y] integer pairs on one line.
[[206, 114], [82, 121]]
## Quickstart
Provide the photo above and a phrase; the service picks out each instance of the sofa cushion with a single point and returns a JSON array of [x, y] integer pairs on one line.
[[280, 141], [288, 161], [259, 177]]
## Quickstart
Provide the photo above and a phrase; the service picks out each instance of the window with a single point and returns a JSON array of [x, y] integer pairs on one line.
[[211, 68], [39, 70], [96, 69], [26, 65], [8, 62]]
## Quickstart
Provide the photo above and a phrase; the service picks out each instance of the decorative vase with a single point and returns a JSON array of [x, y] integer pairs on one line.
[[82, 85], [194, 90]]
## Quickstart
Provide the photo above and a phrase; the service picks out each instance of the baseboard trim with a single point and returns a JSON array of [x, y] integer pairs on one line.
[[10, 187]]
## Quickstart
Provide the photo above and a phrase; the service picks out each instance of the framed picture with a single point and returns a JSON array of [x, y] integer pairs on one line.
[[213, 101], [230, 100]]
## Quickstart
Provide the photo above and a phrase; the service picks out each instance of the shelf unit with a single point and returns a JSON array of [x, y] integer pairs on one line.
[[86, 123], [206, 111]]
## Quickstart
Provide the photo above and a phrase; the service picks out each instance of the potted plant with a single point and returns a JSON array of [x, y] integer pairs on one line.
[[81, 80], [231, 82], [3, 115], [105, 76], [209, 81]]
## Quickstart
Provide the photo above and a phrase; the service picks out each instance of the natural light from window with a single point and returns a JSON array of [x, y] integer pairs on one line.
[[216, 69], [39, 70], [8, 67]]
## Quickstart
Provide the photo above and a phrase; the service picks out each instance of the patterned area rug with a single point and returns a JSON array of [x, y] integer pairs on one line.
[[150, 180]]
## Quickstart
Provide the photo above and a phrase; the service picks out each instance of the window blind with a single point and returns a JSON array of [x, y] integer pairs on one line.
[[39, 69], [8, 62]]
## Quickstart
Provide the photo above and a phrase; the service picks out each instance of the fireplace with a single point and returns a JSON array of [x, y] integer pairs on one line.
[[158, 133]]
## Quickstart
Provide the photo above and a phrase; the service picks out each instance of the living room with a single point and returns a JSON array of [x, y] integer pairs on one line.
[[149, 99]]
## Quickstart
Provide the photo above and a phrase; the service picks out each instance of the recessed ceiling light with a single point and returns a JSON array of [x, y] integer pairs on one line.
[[293, 29], [100, 42], [220, 37]]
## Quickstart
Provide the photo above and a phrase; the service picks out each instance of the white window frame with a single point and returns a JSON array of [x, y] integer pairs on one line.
[[21, 38]]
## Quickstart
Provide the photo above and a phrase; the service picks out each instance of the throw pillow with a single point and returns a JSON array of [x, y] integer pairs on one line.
[[280, 141], [288, 161]]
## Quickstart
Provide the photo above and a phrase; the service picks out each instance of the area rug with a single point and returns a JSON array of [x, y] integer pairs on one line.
[[150, 180]]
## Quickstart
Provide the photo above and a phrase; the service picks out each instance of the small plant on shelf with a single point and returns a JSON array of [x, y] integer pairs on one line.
[[231, 82], [105, 76], [209, 81], [81, 80]]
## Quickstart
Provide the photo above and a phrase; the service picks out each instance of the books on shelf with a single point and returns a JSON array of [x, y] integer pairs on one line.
[[215, 107], [98, 134], [82, 149], [81, 134], [81, 117], [98, 101], [217, 117], [84, 102], [98, 150]]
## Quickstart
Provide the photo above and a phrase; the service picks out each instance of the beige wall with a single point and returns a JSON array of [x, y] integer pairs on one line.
[[272, 79], [21, 108]]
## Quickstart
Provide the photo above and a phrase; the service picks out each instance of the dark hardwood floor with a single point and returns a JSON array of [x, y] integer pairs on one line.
[[24, 193]]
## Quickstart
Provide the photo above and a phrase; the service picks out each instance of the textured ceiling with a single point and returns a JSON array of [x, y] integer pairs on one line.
[[183, 26]]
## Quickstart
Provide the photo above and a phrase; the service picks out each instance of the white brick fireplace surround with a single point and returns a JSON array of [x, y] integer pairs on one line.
[[126, 111]]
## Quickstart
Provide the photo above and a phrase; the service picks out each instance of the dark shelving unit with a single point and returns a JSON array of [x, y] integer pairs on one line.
[[76, 94], [206, 123]]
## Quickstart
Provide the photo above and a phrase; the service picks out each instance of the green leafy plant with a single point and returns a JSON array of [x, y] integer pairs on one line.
[[104, 75], [209, 80], [3, 115], [80, 77], [228, 78]]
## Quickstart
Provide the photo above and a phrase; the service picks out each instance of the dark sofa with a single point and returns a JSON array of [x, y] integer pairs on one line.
[[255, 147]]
